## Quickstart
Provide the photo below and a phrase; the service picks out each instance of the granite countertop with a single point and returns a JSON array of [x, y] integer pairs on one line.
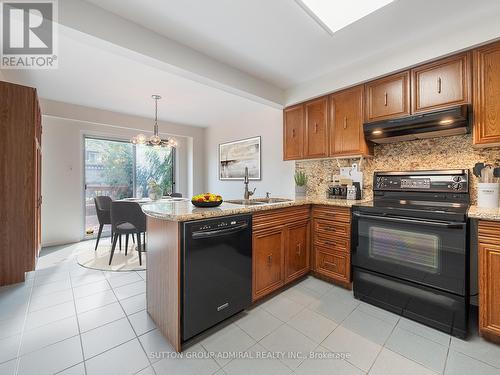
[[186, 211], [484, 213]]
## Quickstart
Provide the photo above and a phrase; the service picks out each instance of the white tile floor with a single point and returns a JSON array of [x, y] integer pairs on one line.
[[69, 320]]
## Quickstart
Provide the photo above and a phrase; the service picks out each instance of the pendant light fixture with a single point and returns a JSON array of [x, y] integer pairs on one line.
[[155, 139]]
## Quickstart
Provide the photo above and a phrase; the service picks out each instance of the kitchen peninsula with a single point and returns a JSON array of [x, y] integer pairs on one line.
[[284, 248]]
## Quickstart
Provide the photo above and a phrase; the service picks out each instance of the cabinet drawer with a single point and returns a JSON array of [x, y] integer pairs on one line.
[[340, 244], [342, 214], [489, 231], [331, 229], [333, 264]]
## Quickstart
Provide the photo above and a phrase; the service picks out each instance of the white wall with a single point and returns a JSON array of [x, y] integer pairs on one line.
[[445, 42], [62, 164], [255, 120]]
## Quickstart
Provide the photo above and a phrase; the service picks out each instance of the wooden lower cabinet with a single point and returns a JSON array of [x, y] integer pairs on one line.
[[267, 261], [332, 244], [297, 252], [281, 248], [489, 280]]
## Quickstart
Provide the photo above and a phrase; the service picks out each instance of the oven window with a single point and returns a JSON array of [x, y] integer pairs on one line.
[[411, 249]]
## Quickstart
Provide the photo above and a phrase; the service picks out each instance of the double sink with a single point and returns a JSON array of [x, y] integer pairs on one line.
[[258, 201]]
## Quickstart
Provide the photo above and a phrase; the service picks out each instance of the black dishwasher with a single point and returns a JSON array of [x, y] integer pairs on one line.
[[217, 271]]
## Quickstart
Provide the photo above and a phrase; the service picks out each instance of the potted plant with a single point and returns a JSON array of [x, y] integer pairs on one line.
[[300, 184], [154, 190]]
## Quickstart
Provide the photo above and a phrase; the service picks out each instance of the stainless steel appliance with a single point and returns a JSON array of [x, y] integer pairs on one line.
[[410, 248], [216, 271]]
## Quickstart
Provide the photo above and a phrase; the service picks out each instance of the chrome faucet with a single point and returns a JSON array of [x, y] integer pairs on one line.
[[247, 193]]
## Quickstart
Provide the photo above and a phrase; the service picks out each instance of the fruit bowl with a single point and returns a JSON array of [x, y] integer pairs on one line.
[[206, 200], [206, 204]]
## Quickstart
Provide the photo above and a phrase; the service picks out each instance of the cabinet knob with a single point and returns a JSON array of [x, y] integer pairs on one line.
[[315, 127], [385, 99], [293, 133], [299, 249], [439, 85], [270, 259]]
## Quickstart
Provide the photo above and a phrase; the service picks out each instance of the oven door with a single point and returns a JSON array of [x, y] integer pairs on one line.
[[428, 252]]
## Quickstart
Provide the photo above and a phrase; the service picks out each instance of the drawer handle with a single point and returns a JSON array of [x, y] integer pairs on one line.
[[330, 264], [385, 99], [329, 243], [439, 85]]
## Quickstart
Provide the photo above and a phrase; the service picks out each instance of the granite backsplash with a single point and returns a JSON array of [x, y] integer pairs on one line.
[[454, 152]]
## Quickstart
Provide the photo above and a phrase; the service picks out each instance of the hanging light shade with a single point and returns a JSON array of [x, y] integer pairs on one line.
[[155, 139]]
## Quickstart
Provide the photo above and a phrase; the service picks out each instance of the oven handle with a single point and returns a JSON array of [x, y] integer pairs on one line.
[[442, 224]]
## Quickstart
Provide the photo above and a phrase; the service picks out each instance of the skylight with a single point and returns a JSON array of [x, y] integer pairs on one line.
[[337, 14]]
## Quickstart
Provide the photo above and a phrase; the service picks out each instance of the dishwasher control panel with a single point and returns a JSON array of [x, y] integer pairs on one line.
[[219, 223]]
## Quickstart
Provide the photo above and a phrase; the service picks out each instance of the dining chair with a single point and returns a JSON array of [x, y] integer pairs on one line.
[[103, 210], [127, 218]]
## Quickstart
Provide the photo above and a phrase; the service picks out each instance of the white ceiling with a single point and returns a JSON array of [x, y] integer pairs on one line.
[[94, 75], [277, 41]]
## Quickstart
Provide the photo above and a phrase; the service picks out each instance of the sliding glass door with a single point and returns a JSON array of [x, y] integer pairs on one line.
[[121, 170]]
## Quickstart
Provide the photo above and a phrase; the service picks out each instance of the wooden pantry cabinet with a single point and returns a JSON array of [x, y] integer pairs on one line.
[[332, 243], [486, 95], [388, 97], [489, 280], [346, 123], [281, 248], [441, 84], [20, 173]]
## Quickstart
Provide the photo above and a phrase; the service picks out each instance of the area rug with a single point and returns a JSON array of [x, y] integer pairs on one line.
[[99, 259]]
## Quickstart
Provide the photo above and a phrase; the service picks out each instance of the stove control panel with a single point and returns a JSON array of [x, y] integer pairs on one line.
[[455, 181]]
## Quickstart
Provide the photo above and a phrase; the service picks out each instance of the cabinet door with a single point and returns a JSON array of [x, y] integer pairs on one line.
[[297, 251], [346, 123], [293, 133], [267, 262], [486, 100], [316, 128], [489, 289], [441, 84], [388, 97]]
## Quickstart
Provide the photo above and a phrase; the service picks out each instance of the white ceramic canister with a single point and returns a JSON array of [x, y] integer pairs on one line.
[[488, 195]]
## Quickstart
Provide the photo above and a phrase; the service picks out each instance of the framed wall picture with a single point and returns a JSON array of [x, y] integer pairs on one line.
[[235, 156]]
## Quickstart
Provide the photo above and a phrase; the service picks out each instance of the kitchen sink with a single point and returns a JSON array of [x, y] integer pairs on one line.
[[258, 201], [245, 202], [272, 200]]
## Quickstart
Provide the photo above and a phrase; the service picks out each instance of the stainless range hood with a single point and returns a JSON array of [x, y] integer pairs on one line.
[[452, 121]]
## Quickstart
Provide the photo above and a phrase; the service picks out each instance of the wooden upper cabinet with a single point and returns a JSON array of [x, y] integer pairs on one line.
[[316, 128], [293, 132], [486, 98], [388, 97], [441, 84], [346, 123], [297, 251]]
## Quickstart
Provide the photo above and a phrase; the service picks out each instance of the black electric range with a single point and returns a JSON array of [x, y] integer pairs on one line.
[[410, 248]]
